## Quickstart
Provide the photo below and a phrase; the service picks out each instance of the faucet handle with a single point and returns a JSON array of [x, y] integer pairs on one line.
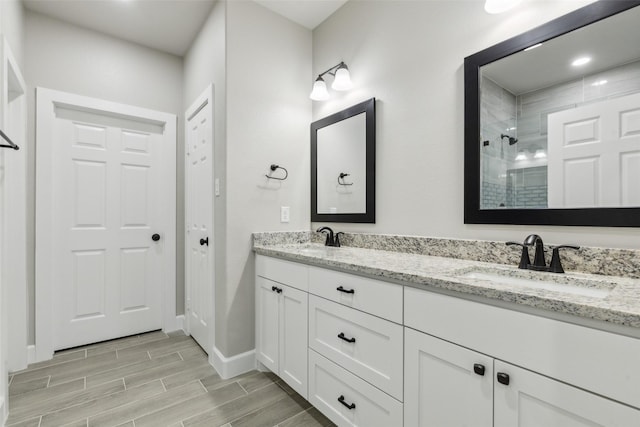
[[525, 261], [555, 266], [336, 242]]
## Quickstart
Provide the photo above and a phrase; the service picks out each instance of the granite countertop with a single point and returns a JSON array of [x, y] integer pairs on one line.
[[605, 298]]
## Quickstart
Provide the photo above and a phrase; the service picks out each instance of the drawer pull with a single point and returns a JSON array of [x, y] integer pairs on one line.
[[478, 369], [346, 291], [342, 337], [503, 378], [349, 406], [276, 289]]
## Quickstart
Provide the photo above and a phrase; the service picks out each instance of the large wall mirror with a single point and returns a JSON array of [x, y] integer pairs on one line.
[[552, 123], [343, 153]]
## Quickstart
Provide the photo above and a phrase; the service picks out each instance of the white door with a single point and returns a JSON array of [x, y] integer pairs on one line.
[[112, 216], [532, 400], [445, 384], [293, 338], [199, 260], [267, 323], [594, 155]]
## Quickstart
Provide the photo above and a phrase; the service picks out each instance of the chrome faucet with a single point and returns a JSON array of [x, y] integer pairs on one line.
[[539, 263], [332, 240]]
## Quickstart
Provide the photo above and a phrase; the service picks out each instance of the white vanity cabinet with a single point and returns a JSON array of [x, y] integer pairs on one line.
[[445, 384], [281, 321], [370, 353], [356, 349], [578, 371]]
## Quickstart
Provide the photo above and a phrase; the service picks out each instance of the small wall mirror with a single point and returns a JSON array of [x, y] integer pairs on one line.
[[552, 123], [343, 165]]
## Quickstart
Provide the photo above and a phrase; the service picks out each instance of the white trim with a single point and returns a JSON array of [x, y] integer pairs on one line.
[[46, 100], [204, 99], [31, 354], [179, 323], [229, 367], [14, 104]]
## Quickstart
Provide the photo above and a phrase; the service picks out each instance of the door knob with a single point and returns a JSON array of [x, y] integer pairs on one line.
[[155, 237], [204, 241]]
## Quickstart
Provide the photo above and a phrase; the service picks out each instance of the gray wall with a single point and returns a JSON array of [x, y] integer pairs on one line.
[[204, 64], [71, 59], [260, 65], [409, 55]]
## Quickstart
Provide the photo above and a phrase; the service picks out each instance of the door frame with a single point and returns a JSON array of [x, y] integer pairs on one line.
[[46, 101], [204, 99], [14, 119]]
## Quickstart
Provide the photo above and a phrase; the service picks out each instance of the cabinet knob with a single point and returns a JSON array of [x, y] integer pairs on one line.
[[204, 241], [342, 337], [346, 291], [155, 237], [478, 369], [349, 406], [503, 378]]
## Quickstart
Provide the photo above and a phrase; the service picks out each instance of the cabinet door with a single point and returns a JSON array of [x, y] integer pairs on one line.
[[267, 308], [293, 338], [532, 400], [441, 385]]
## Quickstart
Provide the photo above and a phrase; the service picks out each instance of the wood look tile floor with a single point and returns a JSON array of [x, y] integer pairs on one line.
[[152, 379]]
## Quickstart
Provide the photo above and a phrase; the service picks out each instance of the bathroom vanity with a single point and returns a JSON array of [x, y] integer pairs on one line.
[[378, 338]]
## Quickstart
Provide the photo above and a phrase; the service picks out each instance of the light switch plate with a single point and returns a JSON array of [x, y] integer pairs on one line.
[[284, 213]]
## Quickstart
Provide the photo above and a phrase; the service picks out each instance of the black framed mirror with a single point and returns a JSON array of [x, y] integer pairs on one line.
[[538, 147], [343, 165]]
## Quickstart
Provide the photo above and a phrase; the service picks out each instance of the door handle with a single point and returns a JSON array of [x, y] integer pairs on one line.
[[204, 241], [155, 237]]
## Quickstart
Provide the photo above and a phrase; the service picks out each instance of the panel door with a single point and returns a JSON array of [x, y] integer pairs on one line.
[[532, 400], [199, 219], [441, 385], [108, 204], [293, 338], [267, 326], [594, 155]]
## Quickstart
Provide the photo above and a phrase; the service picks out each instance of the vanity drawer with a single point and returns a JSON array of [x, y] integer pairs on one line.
[[372, 296], [288, 273], [375, 354], [372, 408]]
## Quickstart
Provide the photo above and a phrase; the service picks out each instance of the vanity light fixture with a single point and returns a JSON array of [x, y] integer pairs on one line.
[[499, 6], [341, 81], [581, 61], [522, 155], [599, 83], [540, 154]]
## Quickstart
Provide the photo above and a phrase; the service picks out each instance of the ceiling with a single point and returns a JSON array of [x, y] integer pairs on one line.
[[166, 25], [610, 42]]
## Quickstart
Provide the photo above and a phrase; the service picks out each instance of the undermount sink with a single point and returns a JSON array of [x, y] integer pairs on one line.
[[314, 251], [563, 284]]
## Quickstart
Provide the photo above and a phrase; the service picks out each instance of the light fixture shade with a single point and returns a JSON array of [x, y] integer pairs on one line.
[[521, 156], [319, 92], [499, 6], [342, 79], [540, 154]]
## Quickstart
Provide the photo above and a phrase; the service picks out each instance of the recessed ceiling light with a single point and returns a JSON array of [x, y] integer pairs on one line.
[[581, 61], [599, 83], [533, 47]]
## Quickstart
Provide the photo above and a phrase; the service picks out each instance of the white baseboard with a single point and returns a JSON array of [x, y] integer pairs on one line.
[[31, 354], [180, 322], [229, 367]]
